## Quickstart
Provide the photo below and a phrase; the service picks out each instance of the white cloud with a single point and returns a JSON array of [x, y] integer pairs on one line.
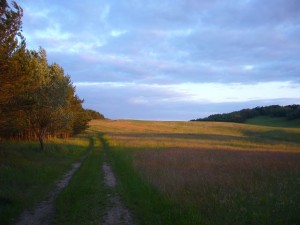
[[104, 84], [206, 92], [248, 67], [117, 33], [236, 92], [53, 32]]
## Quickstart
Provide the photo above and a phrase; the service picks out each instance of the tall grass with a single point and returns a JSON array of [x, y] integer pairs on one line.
[[228, 187], [216, 173], [148, 204], [27, 174]]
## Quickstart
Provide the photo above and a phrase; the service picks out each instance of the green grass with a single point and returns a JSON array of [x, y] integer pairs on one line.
[[150, 207], [274, 122], [27, 174], [84, 200]]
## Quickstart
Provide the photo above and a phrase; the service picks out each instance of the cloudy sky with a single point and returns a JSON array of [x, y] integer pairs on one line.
[[171, 59]]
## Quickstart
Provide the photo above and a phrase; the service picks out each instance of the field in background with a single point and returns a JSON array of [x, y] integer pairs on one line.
[[206, 173], [199, 135]]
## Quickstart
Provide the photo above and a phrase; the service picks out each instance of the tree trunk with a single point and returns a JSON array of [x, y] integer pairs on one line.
[[42, 138]]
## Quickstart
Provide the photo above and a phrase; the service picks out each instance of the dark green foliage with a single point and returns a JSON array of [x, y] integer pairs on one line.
[[289, 112], [294, 113], [94, 115], [12, 46]]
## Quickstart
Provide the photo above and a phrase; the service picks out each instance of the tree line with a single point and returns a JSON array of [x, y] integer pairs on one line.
[[290, 112], [37, 99]]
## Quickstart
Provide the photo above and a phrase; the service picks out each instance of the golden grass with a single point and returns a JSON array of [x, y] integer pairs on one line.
[[78, 141], [203, 135], [229, 172]]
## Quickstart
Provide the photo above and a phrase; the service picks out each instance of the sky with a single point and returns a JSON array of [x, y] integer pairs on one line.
[[171, 59]]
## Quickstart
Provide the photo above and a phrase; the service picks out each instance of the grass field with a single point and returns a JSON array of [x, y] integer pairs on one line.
[[206, 173], [168, 173]]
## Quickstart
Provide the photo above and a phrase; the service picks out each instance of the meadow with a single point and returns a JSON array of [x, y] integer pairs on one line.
[[168, 173], [206, 172]]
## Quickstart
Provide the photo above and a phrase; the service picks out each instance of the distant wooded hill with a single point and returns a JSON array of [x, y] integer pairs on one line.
[[289, 112]]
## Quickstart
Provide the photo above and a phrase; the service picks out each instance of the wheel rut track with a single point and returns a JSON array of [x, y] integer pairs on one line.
[[45, 210], [117, 213]]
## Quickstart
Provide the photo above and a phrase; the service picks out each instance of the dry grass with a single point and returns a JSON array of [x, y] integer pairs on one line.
[[180, 172], [232, 173], [227, 186], [204, 135]]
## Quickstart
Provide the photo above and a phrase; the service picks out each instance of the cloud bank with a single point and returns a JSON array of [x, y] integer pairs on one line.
[[167, 59]]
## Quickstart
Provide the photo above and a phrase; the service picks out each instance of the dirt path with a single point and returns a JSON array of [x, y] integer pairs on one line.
[[44, 211], [117, 214]]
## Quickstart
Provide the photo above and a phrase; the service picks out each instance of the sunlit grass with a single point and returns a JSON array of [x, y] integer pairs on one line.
[[82, 141], [224, 173], [204, 135]]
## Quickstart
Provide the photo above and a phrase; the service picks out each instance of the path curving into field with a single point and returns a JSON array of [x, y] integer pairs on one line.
[[116, 214], [43, 212]]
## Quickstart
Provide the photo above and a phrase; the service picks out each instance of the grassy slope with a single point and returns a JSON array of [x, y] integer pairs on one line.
[[274, 122], [206, 173]]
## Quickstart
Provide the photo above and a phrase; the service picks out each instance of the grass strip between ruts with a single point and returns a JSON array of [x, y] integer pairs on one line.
[[84, 200]]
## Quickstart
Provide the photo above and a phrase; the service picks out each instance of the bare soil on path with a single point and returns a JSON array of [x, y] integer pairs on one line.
[[42, 214], [116, 214]]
